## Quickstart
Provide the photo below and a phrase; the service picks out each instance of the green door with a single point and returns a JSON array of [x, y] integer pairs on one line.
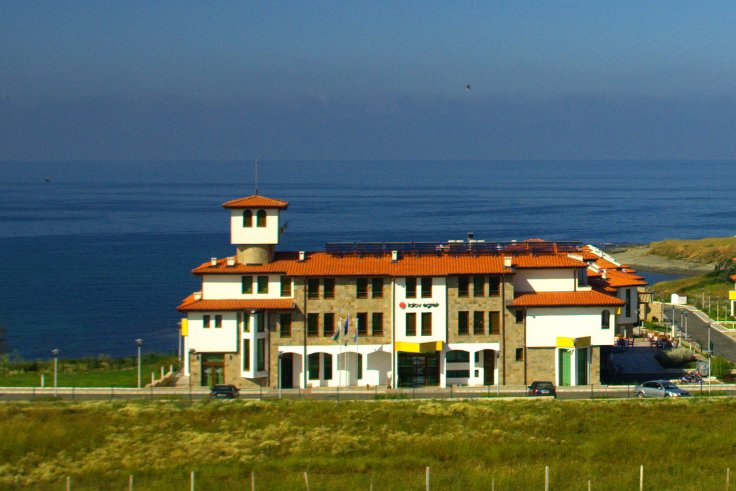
[[565, 366], [582, 365]]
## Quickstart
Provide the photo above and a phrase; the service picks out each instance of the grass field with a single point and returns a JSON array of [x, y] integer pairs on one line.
[[683, 444]]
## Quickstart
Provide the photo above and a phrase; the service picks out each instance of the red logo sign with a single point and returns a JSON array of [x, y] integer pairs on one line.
[[402, 305]]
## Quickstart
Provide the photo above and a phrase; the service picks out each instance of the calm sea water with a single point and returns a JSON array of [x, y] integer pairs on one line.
[[95, 255]]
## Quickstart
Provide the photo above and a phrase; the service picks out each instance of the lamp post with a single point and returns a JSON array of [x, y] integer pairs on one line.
[[139, 343], [55, 352], [684, 321], [189, 363], [280, 355]]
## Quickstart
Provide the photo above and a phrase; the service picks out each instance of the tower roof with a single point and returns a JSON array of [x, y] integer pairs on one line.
[[256, 201]]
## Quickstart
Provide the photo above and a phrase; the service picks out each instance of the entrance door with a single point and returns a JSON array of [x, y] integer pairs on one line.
[[582, 367], [489, 364], [287, 370], [213, 370], [419, 369], [565, 367]]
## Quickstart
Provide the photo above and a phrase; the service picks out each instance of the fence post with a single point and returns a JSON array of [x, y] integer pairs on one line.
[[68, 483], [546, 478], [191, 481], [641, 478], [728, 477], [306, 480], [252, 480], [426, 479], [130, 482]]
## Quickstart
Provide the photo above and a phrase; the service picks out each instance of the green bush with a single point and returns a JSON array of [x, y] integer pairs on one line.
[[720, 367], [674, 358]]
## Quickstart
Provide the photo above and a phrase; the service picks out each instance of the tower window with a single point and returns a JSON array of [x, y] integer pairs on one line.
[[261, 218], [605, 319], [247, 219]]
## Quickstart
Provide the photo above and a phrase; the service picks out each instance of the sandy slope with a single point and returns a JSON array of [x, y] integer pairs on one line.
[[640, 257]]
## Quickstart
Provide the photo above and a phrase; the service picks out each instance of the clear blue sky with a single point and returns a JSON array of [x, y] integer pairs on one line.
[[115, 80]]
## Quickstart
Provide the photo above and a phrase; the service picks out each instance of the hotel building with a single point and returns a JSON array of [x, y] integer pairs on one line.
[[400, 314]]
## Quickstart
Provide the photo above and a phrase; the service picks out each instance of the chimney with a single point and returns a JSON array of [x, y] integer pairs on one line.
[[213, 261], [302, 255], [394, 256], [197, 296], [605, 274], [231, 261], [507, 261]]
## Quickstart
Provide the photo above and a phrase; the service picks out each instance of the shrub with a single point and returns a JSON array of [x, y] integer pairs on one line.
[[674, 358], [720, 367]]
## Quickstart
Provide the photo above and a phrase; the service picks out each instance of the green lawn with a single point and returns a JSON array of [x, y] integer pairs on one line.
[[683, 444], [88, 372]]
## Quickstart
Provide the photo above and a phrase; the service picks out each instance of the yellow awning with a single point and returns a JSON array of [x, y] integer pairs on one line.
[[563, 342], [732, 295], [184, 326], [428, 347]]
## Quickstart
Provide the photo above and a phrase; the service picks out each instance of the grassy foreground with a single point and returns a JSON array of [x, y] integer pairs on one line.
[[683, 444]]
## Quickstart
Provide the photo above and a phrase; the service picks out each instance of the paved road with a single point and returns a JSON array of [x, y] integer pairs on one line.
[[698, 328]]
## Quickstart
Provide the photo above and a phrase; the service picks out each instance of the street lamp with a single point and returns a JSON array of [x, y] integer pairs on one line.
[[139, 343], [189, 364], [684, 322], [280, 355], [55, 352]]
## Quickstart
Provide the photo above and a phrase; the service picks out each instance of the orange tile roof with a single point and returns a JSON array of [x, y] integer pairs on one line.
[[256, 201], [189, 304], [325, 264], [565, 299], [618, 279], [550, 261]]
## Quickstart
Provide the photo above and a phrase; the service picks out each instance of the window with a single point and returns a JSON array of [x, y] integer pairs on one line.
[[411, 288], [360, 366], [260, 354], [261, 218], [494, 286], [457, 356], [377, 287], [285, 325], [463, 286], [247, 285], [262, 285], [426, 287], [411, 324], [218, 321], [362, 323], [478, 323], [479, 283], [377, 324], [605, 319], [285, 286], [312, 287], [494, 323], [246, 355], [329, 288], [426, 323], [245, 318], [519, 354], [247, 219], [260, 322], [458, 373], [328, 324], [519, 316], [313, 366], [361, 290], [327, 367], [462, 322], [583, 277], [628, 302], [312, 325], [206, 321]]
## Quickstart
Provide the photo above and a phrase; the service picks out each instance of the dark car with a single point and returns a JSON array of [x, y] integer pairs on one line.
[[224, 392], [542, 388]]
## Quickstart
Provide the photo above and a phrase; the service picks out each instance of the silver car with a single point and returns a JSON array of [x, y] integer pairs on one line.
[[659, 388]]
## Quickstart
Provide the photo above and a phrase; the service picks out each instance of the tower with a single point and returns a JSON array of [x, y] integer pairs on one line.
[[255, 227]]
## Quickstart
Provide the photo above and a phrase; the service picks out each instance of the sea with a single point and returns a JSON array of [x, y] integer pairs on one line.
[[96, 254]]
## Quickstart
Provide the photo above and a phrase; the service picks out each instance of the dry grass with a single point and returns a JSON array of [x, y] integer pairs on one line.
[[345, 445], [709, 250]]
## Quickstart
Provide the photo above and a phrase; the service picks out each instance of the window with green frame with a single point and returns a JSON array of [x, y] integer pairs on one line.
[[260, 354], [262, 285], [247, 285], [313, 366]]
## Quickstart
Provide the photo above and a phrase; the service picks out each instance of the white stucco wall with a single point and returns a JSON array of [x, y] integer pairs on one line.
[[622, 318], [437, 305], [545, 280], [543, 325], [213, 340], [229, 287], [254, 235]]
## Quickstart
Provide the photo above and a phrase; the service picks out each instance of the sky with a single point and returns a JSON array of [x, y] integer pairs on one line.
[[178, 80]]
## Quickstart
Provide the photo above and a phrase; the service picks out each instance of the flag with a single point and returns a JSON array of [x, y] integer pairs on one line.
[[355, 338], [336, 335], [347, 325]]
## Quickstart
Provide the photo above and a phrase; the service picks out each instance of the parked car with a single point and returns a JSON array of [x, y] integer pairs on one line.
[[542, 388], [659, 388], [224, 392]]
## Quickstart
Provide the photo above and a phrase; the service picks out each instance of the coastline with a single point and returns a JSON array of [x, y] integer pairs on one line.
[[640, 257]]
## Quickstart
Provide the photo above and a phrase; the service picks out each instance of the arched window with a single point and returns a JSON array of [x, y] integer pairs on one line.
[[605, 319], [261, 218], [247, 218]]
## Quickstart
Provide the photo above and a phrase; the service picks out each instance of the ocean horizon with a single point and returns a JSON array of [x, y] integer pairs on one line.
[[96, 254]]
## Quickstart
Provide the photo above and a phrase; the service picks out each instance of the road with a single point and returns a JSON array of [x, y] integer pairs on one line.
[[698, 328]]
